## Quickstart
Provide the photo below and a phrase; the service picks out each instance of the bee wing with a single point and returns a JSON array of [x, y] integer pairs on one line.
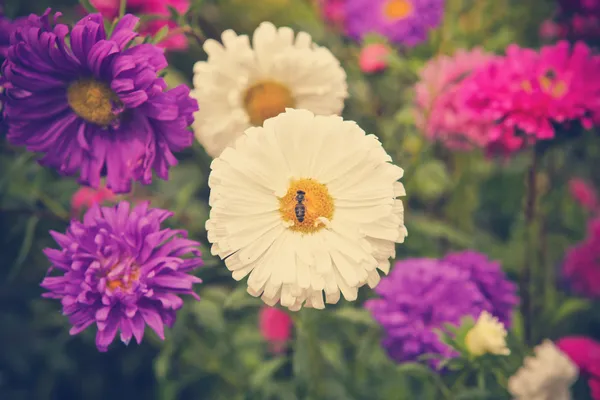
[[310, 209]]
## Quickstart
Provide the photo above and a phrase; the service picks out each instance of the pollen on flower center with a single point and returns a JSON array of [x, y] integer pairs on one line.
[[122, 275], [397, 9], [307, 206], [93, 101], [265, 100], [549, 84]]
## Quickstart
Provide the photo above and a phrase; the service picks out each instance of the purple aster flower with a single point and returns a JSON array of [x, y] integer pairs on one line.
[[122, 272], [419, 296], [490, 280], [401, 21], [93, 103]]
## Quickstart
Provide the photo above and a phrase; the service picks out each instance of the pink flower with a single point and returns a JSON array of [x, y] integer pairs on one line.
[[110, 9], [373, 58], [85, 197], [582, 263], [585, 353], [584, 193], [528, 91], [276, 327], [333, 11], [440, 112], [549, 29]]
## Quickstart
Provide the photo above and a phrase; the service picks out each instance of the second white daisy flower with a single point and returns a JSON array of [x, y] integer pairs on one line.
[[240, 86], [304, 205]]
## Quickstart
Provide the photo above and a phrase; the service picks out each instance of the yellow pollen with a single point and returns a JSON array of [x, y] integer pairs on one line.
[[124, 280], [548, 84], [265, 100], [93, 101], [318, 205], [526, 85], [397, 9]]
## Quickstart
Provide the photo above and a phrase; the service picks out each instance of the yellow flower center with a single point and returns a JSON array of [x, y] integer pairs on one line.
[[93, 101], [265, 100], [549, 84], [307, 206], [396, 10], [122, 276]]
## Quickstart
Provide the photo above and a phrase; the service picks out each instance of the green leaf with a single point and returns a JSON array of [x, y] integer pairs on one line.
[[88, 6], [265, 372], [162, 362], [439, 229], [209, 315], [355, 316], [122, 7], [173, 13], [239, 299], [431, 180], [25, 246], [160, 35], [301, 360], [415, 369], [568, 308], [473, 394], [333, 353]]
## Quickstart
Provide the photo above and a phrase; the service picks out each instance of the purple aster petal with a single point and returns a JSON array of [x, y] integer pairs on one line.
[[491, 281], [111, 274]]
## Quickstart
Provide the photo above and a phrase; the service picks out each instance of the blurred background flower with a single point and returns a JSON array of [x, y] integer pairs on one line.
[[548, 374], [276, 327], [158, 10], [582, 264], [421, 295]]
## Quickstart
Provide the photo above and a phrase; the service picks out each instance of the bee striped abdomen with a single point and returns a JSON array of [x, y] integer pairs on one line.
[[300, 211]]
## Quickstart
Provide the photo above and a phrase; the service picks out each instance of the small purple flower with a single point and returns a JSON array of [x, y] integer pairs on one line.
[[401, 21], [93, 103], [122, 272], [421, 295]]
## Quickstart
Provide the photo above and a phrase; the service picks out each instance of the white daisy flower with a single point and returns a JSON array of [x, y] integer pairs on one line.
[[240, 86], [547, 375], [304, 205]]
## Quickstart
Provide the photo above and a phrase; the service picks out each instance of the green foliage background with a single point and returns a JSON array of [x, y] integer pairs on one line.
[[215, 351]]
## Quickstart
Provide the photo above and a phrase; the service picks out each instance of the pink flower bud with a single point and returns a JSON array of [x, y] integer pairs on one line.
[[583, 193], [373, 58], [275, 327]]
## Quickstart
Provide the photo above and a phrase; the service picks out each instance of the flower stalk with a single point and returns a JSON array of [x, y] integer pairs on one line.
[[530, 256]]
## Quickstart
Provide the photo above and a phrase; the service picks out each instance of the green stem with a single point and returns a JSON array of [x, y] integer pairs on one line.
[[530, 257], [122, 8], [480, 380]]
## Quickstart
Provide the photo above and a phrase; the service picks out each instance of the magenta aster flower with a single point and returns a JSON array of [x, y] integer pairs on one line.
[[401, 21], [585, 353], [526, 93], [421, 295], [94, 104], [110, 9], [121, 271], [582, 263], [440, 113]]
